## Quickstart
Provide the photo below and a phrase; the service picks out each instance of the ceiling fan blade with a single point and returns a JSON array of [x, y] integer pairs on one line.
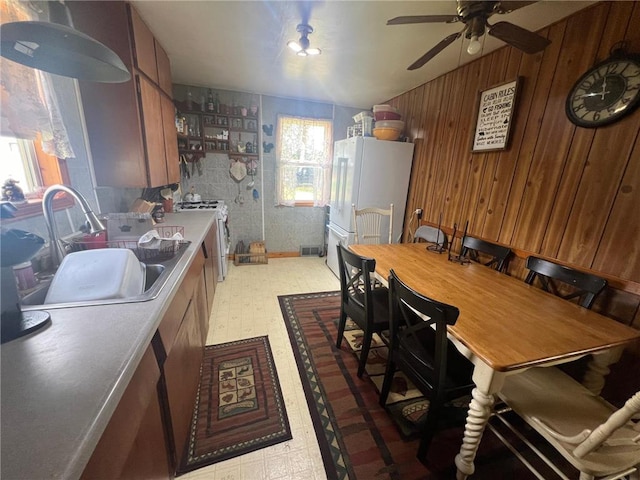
[[424, 19], [434, 51], [519, 37], [506, 7]]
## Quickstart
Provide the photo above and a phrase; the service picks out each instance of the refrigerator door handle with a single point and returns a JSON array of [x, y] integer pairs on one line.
[[342, 182], [343, 238]]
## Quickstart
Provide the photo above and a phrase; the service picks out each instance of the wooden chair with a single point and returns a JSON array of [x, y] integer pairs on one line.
[[367, 224], [368, 307], [471, 246], [419, 347], [432, 235], [583, 286], [595, 437]]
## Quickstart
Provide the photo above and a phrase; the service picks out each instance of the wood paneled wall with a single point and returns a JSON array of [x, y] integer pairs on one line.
[[558, 190]]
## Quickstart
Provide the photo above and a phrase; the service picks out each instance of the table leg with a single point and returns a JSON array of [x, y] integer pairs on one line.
[[598, 369], [488, 383]]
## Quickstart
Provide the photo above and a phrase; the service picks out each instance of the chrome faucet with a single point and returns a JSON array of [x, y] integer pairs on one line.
[[56, 245]]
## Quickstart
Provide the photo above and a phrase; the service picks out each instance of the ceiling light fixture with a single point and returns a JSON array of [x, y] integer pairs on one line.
[[476, 31], [301, 47]]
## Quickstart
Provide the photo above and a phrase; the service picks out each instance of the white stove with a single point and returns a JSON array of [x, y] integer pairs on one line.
[[221, 212]]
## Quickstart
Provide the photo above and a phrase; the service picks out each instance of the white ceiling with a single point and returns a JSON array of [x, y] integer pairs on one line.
[[241, 45]]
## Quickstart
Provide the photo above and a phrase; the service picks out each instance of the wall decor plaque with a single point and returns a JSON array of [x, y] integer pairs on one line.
[[495, 113]]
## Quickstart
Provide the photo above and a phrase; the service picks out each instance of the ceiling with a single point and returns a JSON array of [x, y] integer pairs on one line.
[[241, 45]]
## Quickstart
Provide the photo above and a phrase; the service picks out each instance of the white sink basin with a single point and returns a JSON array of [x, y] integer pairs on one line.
[[154, 279]]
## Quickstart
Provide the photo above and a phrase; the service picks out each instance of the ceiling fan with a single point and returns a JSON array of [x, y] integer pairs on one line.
[[474, 15]]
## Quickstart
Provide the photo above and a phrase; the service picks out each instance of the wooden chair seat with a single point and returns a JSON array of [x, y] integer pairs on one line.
[[558, 407]]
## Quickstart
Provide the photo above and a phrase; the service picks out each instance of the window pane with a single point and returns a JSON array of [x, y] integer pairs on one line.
[[304, 157], [18, 162]]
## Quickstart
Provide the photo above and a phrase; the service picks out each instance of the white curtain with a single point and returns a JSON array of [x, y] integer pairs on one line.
[[29, 103], [304, 157]]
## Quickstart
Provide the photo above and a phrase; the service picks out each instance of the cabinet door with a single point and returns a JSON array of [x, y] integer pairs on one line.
[[164, 70], [153, 132], [182, 375], [170, 140], [144, 49], [133, 443]]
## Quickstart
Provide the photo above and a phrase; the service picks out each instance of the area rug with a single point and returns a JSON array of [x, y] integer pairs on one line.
[[239, 407], [358, 439]]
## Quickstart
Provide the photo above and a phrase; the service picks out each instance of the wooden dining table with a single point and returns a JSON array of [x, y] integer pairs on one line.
[[505, 327]]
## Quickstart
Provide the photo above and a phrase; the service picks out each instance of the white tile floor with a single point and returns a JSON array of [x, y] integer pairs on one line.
[[246, 305]]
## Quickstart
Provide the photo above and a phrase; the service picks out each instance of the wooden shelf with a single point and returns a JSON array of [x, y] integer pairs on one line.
[[210, 124]]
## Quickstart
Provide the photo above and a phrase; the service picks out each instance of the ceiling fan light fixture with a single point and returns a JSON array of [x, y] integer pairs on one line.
[[474, 45], [301, 47], [293, 45]]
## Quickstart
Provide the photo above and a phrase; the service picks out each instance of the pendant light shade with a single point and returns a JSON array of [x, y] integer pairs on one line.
[[56, 47]]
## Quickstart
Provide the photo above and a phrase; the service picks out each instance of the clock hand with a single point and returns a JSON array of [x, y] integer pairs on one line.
[[604, 87]]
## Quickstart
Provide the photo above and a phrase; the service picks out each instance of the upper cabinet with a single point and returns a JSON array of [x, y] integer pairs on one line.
[[131, 126]]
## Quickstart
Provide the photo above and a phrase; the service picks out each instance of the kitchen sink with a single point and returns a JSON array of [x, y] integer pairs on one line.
[[156, 275]]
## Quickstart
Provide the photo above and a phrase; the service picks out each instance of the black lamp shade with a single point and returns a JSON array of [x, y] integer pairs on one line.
[[62, 50]]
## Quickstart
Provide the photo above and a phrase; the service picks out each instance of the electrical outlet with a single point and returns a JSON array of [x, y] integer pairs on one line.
[[419, 213]]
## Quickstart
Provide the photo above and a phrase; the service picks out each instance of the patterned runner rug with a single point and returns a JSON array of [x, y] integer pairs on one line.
[[239, 407], [359, 439]]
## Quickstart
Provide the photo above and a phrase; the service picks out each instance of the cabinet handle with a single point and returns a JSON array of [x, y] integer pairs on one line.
[[204, 250]]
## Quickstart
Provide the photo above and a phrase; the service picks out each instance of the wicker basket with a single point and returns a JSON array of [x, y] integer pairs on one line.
[[257, 255]]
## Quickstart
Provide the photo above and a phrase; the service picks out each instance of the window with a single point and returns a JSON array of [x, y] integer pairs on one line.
[[34, 170], [304, 157], [33, 134]]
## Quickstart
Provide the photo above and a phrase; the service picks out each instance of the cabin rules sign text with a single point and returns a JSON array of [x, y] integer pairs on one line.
[[495, 111]]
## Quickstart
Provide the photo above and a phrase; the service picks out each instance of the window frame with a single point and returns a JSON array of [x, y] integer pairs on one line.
[[282, 118], [52, 170]]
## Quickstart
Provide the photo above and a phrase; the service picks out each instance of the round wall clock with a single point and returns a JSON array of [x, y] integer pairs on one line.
[[606, 92]]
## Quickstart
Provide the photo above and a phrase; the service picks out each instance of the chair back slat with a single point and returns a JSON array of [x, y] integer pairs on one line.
[[418, 327], [605, 430], [367, 224], [498, 253], [432, 235], [582, 285], [355, 276]]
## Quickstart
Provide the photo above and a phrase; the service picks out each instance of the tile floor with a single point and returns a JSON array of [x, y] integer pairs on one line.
[[246, 305]]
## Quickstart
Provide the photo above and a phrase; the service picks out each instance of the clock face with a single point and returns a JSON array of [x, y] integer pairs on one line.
[[605, 93]]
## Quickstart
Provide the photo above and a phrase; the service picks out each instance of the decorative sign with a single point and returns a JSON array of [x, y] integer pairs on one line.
[[495, 112]]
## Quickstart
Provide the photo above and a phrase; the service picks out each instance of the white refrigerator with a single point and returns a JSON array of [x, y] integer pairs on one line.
[[368, 173]]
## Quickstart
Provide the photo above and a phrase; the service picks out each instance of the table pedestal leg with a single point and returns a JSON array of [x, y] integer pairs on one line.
[[487, 383], [598, 369]]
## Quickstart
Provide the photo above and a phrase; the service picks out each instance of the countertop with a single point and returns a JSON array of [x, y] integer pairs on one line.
[[60, 385]]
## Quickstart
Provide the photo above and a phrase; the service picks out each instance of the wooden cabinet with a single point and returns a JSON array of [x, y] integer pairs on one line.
[[133, 444], [182, 336], [131, 126], [149, 429]]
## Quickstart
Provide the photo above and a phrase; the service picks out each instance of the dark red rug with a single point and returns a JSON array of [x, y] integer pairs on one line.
[[359, 439], [239, 407]]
